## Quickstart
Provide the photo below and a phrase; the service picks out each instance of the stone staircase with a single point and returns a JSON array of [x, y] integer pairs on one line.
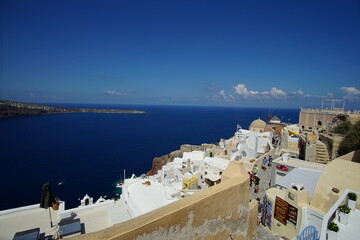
[[322, 155]]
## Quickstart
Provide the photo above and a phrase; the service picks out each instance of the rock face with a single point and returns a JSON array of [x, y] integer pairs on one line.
[[158, 162], [190, 148], [336, 121]]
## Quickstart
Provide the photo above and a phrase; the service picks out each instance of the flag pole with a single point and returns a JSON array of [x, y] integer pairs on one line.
[[51, 224]]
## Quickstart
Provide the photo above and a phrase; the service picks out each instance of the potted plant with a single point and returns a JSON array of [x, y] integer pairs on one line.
[[344, 211], [333, 229], [351, 200]]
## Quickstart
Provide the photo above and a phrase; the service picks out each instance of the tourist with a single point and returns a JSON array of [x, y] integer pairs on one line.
[[264, 163], [255, 169], [270, 160], [256, 181], [251, 178]]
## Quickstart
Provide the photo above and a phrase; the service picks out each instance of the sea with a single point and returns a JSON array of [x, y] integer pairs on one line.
[[87, 153]]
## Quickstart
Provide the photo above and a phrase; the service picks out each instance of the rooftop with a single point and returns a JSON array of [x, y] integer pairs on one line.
[[147, 195], [307, 177], [94, 217], [293, 162]]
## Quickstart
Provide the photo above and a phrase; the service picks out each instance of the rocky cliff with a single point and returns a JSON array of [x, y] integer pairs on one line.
[[158, 162]]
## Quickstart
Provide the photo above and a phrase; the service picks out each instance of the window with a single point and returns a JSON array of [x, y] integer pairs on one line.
[[291, 196], [319, 123]]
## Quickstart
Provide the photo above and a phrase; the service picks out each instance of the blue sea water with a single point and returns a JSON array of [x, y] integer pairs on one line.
[[88, 151]]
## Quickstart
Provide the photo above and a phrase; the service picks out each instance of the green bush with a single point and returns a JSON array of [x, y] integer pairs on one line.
[[342, 128], [333, 227], [352, 196], [345, 209], [351, 141]]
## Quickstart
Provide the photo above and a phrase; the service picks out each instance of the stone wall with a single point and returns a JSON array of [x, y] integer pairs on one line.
[[315, 120], [307, 146], [220, 212], [310, 154], [332, 144]]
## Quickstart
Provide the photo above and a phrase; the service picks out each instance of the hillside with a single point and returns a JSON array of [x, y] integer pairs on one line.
[[9, 109]]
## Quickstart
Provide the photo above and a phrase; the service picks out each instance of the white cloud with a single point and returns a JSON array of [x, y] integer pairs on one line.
[[277, 93], [299, 92], [351, 92], [242, 91], [116, 93], [222, 94]]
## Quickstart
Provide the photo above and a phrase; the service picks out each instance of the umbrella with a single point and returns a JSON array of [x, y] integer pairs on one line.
[[47, 199]]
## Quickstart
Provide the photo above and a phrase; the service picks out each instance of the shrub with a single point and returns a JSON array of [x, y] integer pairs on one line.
[[345, 209], [351, 141], [352, 196], [342, 128], [333, 227]]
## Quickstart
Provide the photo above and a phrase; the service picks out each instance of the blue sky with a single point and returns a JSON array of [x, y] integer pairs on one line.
[[217, 53]]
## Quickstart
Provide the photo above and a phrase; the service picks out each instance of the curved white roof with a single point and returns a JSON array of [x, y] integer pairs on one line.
[[144, 197]]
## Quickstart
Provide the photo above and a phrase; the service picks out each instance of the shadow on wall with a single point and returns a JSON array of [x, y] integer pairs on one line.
[[220, 212]]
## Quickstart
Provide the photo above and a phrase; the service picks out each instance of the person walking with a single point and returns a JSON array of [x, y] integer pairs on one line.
[[255, 169], [264, 163], [270, 161], [251, 178], [256, 181]]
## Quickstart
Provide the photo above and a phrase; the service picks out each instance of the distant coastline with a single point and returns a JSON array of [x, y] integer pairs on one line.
[[10, 109]]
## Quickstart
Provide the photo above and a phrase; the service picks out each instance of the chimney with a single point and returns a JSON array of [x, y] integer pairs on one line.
[[285, 157]]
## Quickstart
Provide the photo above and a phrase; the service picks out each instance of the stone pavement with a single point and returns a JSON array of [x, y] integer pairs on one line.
[[263, 233]]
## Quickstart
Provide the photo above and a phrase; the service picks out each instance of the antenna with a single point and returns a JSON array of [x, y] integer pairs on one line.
[[269, 115], [333, 104]]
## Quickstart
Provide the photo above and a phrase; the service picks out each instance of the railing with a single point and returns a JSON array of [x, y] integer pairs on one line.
[[19, 209], [318, 110], [332, 210], [330, 111]]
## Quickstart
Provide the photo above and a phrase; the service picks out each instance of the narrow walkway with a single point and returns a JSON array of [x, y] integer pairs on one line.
[[262, 232]]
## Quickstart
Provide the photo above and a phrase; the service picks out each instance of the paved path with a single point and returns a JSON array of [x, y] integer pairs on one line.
[[263, 233]]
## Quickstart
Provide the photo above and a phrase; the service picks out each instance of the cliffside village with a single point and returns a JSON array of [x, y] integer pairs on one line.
[[273, 181]]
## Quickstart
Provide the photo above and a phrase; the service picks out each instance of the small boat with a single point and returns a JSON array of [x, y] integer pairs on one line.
[[120, 184]]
